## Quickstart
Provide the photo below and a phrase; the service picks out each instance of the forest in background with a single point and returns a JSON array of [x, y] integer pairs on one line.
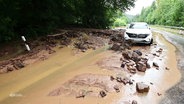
[[163, 12], [34, 18]]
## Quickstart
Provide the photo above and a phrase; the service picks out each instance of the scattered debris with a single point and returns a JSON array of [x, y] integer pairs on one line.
[[141, 66], [141, 87], [166, 68], [102, 93], [112, 78], [155, 64], [116, 88], [81, 94], [134, 102], [159, 94], [138, 52]]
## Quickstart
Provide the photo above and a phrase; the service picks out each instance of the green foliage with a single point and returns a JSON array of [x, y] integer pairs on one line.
[[164, 12], [120, 19], [38, 17]]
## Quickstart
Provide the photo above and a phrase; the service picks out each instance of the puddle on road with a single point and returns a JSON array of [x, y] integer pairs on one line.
[[35, 81]]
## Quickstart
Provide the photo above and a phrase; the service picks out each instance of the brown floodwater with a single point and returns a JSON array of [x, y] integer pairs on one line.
[[32, 84]]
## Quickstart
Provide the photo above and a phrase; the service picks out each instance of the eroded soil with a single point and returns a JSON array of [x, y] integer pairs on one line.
[[83, 78]]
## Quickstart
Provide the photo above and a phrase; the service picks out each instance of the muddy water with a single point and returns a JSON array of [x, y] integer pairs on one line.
[[162, 79], [32, 84], [175, 94]]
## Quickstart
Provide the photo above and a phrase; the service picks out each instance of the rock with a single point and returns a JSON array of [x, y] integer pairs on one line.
[[135, 57], [116, 88], [132, 69], [10, 68], [159, 94], [155, 64], [141, 66], [83, 50], [134, 102], [119, 79], [81, 94], [130, 63], [122, 65], [112, 78], [148, 65], [127, 54], [2, 71], [102, 93], [116, 47], [131, 82], [160, 50], [141, 87], [18, 65], [166, 68], [125, 80], [138, 52], [51, 51]]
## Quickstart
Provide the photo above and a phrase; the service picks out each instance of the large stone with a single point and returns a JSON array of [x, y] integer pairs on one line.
[[141, 87], [135, 57], [116, 47], [138, 52], [127, 54], [141, 66]]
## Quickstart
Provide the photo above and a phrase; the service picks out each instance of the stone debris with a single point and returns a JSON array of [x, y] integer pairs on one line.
[[127, 54], [18, 65], [159, 94], [81, 94], [116, 88], [116, 47], [125, 80], [141, 87], [112, 78], [102, 94], [160, 50], [138, 52], [155, 64], [166, 68], [134, 102], [132, 69], [141, 66]]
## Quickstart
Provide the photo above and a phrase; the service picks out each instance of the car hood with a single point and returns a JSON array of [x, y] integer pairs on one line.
[[139, 31]]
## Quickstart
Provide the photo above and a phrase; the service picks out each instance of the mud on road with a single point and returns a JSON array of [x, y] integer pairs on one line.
[[95, 75]]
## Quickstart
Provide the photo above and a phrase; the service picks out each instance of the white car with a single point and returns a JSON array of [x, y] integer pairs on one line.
[[138, 32]]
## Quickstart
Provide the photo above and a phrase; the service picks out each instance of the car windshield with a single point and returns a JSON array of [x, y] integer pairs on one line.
[[138, 26]]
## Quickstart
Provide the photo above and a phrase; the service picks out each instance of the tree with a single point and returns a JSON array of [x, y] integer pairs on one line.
[[39, 17]]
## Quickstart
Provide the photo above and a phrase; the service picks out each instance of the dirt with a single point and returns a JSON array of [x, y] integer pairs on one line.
[[80, 39], [91, 76]]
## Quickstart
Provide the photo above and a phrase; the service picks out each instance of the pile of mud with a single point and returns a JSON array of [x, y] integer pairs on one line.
[[43, 47]]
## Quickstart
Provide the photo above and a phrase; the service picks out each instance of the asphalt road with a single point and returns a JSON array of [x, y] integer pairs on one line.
[[175, 95]]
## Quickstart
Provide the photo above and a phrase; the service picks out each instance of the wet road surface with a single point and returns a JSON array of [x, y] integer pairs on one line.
[[175, 95]]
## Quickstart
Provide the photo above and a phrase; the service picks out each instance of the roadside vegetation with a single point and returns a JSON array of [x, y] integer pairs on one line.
[[164, 12], [34, 18]]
